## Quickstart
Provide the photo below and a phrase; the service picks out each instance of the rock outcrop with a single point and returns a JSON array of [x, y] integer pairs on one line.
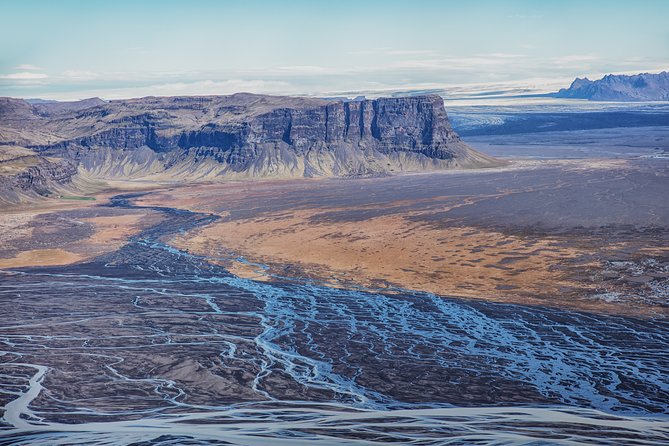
[[242, 135], [44, 176], [639, 87], [25, 175]]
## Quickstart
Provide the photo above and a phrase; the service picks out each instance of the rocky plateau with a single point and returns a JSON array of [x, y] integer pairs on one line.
[[228, 137]]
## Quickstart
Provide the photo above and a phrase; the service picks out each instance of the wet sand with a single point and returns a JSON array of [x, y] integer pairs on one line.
[[150, 344]]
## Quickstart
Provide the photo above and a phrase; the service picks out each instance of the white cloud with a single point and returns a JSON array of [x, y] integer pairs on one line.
[[462, 91], [503, 55], [383, 49], [28, 67], [410, 52], [302, 69], [479, 62], [418, 61], [80, 75], [219, 87], [24, 76], [575, 58]]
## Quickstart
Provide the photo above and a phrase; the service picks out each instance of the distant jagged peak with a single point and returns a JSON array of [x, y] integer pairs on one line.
[[16, 108], [86, 101], [579, 82], [620, 87]]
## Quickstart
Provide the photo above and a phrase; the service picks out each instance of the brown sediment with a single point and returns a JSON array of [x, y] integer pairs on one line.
[[448, 233], [41, 257], [443, 243], [393, 251], [246, 270], [62, 232], [114, 231], [388, 252]]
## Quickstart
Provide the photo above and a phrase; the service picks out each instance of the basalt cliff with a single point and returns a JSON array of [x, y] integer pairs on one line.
[[237, 136]]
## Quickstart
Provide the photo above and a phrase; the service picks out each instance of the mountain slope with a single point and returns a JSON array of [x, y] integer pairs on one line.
[[240, 136], [639, 87], [25, 175]]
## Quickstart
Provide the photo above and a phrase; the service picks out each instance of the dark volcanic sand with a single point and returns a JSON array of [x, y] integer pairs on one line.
[[149, 333], [583, 234]]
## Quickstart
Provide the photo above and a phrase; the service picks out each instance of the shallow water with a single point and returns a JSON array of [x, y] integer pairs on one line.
[[150, 345]]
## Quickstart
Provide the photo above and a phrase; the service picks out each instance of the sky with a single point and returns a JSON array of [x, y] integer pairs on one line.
[[70, 49]]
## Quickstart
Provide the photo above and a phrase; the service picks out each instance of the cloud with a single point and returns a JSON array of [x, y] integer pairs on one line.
[[574, 58], [219, 87], [410, 52], [465, 93], [503, 55], [24, 76], [80, 75], [365, 52], [28, 67], [302, 69], [474, 63], [411, 61]]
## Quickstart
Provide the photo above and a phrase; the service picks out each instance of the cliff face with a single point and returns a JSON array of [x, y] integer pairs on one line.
[[639, 87], [42, 177], [247, 135], [25, 175]]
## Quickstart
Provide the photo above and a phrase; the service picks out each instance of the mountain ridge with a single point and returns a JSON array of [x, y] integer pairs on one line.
[[615, 87], [239, 136]]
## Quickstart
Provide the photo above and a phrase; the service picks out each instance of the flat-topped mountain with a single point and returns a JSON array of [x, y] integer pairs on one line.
[[239, 136], [639, 87]]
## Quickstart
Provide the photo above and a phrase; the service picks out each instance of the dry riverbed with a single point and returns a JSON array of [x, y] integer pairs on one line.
[[553, 234], [62, 232], [543, 233]]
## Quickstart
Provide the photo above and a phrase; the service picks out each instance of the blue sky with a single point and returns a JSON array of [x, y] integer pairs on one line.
[[72, 49]]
